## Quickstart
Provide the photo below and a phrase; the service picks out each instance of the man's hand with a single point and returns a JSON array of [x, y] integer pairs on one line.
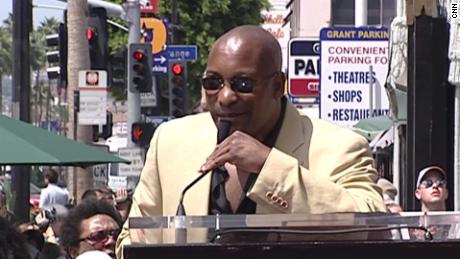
[[121, 195], [241, 150]]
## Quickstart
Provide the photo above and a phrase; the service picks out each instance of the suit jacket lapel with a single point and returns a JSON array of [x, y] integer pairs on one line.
[[294, 137], [196, 201]]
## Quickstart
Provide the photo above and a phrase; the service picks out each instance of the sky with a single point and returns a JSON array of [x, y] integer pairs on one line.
[[39, 13]]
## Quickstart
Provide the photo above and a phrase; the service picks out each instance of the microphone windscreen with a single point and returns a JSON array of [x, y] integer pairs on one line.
[[223, 130]]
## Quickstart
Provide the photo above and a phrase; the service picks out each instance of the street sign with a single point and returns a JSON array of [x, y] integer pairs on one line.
[[100, 171], [100, 174], [136, 156], [303, 69], [154, 31], [149, 99], [157, 120], [148, 6], [352, 59], [182, 52], [93, 97], [160, 63], [118, 182]]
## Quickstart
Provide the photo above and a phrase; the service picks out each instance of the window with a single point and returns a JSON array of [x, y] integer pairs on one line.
[[379, 12]]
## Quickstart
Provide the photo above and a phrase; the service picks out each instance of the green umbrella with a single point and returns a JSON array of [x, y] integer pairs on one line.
[[23, 144], [370, 127]]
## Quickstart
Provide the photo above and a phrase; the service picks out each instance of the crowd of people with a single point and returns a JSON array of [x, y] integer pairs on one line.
[[62, 231], [268, 158]]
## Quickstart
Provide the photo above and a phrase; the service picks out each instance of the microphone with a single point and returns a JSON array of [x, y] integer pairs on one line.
[[222, 133]]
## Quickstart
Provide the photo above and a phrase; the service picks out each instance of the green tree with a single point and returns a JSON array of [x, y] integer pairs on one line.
[[201, 22], [38, 63], [6, 40]]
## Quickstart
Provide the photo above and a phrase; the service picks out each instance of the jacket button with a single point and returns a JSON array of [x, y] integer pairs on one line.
[[280, 201], [269, 195], [274, 198], [284, 204]]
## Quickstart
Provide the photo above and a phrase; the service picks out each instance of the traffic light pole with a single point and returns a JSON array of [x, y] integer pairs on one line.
[[22, 25], [134, 98]]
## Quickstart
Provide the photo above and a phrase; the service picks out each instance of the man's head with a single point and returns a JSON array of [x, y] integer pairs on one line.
[[243, 80], [91, 225], [51, 176], [102, 193], [431, 188], [389, 192]]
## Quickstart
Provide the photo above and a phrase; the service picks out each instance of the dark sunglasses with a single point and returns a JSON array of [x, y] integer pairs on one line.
[[241, 84], [428, 183], [101, 236]]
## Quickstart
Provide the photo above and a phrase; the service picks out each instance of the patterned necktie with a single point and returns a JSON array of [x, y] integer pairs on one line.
[[220, 204]]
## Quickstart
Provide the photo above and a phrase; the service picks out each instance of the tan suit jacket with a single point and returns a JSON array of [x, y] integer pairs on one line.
[[315, 167]]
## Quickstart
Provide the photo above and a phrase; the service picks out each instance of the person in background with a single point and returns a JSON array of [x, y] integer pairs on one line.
[[36, 242], [4, 212], [102, 193], [389, 193], [123, 200], [273, 159], [91, 225], [120, 199], [53, 194], [432, 193], [13, 244], [432, 188]]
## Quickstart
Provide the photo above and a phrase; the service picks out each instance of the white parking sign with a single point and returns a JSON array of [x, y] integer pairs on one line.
[[352, 59]]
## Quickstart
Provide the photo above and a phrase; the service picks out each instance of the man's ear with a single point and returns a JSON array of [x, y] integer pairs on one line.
[[280, 82], [417, 194]]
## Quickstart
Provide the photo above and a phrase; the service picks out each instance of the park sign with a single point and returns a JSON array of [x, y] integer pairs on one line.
[[303, 68], [354, 66]]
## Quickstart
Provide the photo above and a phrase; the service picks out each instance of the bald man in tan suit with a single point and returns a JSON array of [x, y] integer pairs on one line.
[[297, 164]]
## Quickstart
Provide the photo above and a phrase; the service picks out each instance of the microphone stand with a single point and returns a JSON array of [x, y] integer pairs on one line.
[[179, 219]]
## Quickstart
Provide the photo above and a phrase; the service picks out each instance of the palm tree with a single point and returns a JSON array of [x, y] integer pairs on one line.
[[38, 63], [78, 59], [6, 64]]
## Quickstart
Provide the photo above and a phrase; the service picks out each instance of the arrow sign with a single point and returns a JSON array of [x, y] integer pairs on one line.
[[160, 59], [160, 64]]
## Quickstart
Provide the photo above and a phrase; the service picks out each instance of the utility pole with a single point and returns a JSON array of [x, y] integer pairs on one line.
[[22, 25], [134, 98]]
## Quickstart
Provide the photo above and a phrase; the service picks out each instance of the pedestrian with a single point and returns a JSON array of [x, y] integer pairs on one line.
[[53, 193]]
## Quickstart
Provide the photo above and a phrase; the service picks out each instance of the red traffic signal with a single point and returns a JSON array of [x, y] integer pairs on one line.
[[138, 55], [142, 132], [90, 33], [177, 69], [140, 67]]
